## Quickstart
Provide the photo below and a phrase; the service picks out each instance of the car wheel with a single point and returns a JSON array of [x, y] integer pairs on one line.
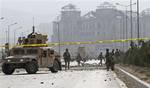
[[7, 69], [32, 67], [55, 67]]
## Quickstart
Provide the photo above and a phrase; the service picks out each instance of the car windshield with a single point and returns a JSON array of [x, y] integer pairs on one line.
[[18, 52], [32, 51]]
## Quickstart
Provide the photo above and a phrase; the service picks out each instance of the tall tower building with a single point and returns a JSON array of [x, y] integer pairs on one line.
[[70, 23], [68, 26]]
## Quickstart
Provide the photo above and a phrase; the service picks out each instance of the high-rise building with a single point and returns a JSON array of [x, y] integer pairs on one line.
[[45, 28], [105, 23]]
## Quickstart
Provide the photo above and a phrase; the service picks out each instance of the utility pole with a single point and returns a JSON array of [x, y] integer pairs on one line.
[[131, 19], [123, 19], [126, 17], [15, 34], [6, 36], [138, 23], [58, 37], [9, 31], [126, 25]]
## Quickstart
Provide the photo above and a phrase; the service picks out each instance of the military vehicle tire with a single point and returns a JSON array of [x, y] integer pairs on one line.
[[7, 69], [55, 67], [32, 67]]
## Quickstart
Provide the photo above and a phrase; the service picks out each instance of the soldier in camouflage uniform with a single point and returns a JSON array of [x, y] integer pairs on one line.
[[117, 55], [113, 52], [100, 57], [112, 56], [19, 41], [79, 59], [109, 60], [107, 56], [67, 59]]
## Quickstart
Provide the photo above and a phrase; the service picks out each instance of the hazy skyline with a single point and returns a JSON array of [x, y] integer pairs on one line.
[[45, 11], [51, 8]]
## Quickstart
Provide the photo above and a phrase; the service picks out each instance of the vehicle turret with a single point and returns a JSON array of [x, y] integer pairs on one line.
[[33, 38]]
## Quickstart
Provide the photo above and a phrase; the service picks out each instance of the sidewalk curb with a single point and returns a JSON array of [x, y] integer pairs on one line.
[[136, 82]]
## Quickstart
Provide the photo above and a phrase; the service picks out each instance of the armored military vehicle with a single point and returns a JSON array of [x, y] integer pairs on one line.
[[32, 54]]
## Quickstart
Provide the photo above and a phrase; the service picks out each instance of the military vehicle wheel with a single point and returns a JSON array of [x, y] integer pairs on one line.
[[7, 69], [32, 67], [55, 67]]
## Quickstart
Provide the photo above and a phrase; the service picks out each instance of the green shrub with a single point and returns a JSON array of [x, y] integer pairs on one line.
[[139, 56]]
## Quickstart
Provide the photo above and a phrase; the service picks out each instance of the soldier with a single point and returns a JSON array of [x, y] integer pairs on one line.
[[79, 58], [67, 59], [7, 51], [112, 55], [113, 52], [117, 54], [100, 57], [19, 41], [109, 60]]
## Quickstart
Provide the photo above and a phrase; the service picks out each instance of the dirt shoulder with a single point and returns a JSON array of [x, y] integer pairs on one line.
[[141, 72]]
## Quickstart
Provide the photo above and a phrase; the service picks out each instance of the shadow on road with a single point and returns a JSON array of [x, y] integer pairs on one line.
[[20, 73]]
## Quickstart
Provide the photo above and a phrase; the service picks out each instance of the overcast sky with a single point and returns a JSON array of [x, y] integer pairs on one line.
[[44, 11], [51, 8]]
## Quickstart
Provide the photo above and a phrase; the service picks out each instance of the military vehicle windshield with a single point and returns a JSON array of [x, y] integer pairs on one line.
[[32, 51], [18, 52]]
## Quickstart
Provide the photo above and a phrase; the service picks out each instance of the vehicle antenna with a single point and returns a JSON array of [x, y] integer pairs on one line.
[[33, 26]]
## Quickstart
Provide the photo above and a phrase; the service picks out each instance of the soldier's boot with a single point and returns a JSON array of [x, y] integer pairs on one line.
[[112, 67], [101, 63], [68, 65], [107, 67], [65, 65]]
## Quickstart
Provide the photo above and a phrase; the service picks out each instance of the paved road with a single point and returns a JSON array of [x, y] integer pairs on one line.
[[63, 79]]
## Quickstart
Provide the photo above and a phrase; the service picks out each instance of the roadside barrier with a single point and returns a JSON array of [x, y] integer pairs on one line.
[[136, 82]]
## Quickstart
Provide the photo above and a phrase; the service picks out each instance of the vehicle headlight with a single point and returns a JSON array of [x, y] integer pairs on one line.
[[8, 60], [21, 60]]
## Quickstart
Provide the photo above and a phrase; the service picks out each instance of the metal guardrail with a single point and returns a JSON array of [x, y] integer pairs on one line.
[[136, 82]]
